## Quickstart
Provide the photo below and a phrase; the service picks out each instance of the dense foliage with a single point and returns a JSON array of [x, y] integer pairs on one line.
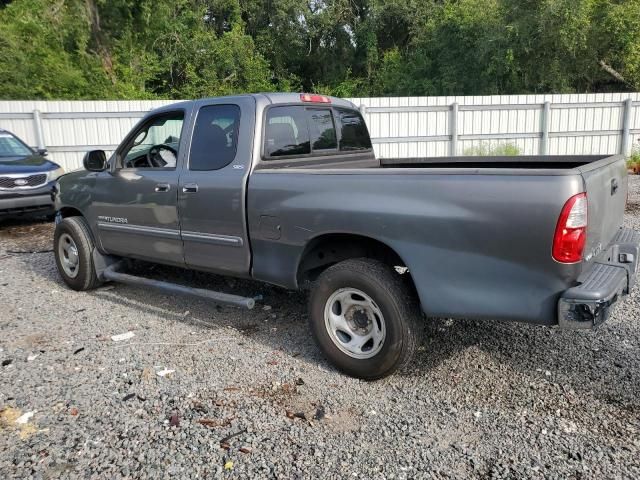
[[191, 48]]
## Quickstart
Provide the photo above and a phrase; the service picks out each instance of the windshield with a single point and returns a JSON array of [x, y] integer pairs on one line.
[[10, 146]]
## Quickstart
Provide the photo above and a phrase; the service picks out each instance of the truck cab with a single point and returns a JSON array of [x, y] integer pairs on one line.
[[182, 174]]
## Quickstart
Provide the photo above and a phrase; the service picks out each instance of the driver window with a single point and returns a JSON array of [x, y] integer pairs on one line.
[[155, 145]]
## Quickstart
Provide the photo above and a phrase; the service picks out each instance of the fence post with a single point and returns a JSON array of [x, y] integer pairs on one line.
[[625, 144], [37, 125], [363, 111], [453, 127], [546, 120]]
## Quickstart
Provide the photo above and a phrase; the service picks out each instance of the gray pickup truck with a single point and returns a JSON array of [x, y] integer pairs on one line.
[[286, 189]]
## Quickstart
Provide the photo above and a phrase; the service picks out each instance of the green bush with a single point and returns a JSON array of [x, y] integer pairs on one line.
[[634, 159], [488, 150]]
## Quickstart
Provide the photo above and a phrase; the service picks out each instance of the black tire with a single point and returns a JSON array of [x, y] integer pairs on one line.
[[394, 298], [78, 230]]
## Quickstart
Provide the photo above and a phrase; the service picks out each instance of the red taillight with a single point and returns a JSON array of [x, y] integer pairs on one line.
[[311, 98], [571, 231]]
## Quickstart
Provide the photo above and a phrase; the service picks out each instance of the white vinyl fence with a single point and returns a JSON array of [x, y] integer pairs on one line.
[[400, 127]]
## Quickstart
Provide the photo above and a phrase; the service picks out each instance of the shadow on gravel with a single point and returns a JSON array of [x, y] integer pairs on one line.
[[278, 320], [593, 364]]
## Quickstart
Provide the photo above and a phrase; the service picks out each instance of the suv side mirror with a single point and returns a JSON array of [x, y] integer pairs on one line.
[[95, 161], [43, 152]]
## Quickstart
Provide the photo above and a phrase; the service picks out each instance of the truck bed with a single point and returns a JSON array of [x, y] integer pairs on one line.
[[473, 231], [554, 162]]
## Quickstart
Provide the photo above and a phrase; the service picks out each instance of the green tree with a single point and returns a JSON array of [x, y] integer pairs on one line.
[[193, 48], [126, 49]]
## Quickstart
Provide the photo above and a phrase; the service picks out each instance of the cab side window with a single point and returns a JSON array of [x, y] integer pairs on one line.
[[155, 144], [215, 137]]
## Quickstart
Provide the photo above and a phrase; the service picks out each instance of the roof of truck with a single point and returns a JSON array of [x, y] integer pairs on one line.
[[297, 98], [273, 98]]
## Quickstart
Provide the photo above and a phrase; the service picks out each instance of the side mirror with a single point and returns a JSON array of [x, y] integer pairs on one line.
[[95, 161], [43, 152]]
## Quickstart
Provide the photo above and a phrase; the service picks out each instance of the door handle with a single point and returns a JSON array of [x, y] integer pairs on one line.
[[163, 187], [190, 188]]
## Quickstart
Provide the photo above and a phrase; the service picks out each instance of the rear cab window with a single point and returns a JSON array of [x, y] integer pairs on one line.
[[354, 135], [322, 130], [308, 131], [286, 132]]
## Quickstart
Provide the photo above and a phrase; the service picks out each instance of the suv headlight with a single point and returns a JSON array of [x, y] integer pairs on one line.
[[54, 174]]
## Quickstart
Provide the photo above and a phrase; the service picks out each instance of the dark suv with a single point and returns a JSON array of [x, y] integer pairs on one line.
[[26, 178]]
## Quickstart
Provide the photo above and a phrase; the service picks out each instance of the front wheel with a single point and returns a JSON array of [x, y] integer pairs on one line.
[[73, 248], [364, 318]]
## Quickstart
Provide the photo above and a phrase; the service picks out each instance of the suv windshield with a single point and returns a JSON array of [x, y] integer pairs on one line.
[[10, 146]]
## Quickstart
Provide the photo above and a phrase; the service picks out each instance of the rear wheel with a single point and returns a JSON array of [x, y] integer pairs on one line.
[[364, 318], [73, 249]]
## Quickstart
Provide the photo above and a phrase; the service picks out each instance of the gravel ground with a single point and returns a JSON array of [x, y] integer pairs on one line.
[[249, 396]]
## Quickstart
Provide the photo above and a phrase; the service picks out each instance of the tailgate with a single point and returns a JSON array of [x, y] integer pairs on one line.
[[606, 186]]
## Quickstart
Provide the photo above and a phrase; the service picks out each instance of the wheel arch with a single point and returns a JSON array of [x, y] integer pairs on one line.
[[327, 249], [70, 212]]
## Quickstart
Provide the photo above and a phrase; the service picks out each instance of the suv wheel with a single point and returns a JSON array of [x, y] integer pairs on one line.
[[364, 318], [73, 248]]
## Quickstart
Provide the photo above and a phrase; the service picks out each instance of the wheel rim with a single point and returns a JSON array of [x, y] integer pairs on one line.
[[354, 323], [68, 255]]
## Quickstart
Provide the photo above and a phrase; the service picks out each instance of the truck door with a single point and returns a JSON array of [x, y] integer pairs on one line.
[[135, 204], [212, 191]]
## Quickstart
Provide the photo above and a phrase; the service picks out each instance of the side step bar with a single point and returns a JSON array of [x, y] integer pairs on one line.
[[111, 273]]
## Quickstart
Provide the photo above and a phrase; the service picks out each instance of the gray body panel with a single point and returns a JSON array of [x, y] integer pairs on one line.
[[477, 241], [214, 227], [606, 206], [477, 244], [152, 230]]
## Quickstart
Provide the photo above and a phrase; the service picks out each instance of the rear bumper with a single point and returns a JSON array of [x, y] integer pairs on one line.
[[602, 285]]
